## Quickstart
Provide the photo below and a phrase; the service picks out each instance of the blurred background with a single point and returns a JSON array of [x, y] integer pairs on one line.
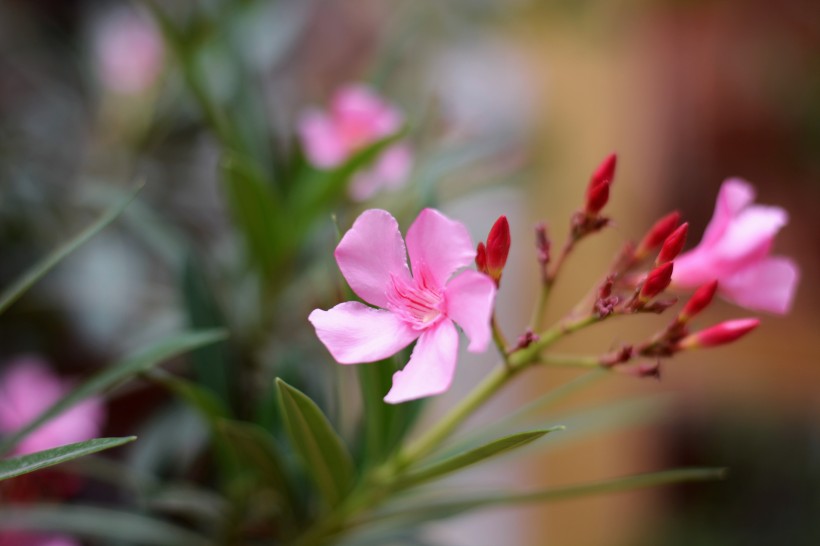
[[511, 104]]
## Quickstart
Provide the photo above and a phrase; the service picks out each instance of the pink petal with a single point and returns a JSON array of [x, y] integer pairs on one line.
[[735, 195], [438, 246], [79, 423], [355, 333], [768, 285], [431, 367], [470, 298], [693, 269], [370, 254], [320, 140], [749, 237], [363, 110], [27, 388], [390, 172]]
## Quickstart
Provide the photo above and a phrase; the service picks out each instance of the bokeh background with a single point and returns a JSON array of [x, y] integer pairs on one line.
[[516, 102]]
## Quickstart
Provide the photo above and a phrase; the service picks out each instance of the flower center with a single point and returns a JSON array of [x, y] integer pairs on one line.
[[417, 302]]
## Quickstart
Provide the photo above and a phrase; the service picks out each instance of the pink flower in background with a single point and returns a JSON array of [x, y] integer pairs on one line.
[[129, 52], [735, 251], [357, 118], [27, 388], [421, 305]]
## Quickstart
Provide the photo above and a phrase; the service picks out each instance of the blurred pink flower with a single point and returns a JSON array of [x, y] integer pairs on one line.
[[27, 388], [735, 252], [129, 52], [420, 305], [357, 118]]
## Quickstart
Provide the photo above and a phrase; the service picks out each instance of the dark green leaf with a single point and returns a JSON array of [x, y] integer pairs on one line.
[[256, 211], [17, 289], [480, 454], [16, 466], [320, 449], [99, 523], [122, 371]]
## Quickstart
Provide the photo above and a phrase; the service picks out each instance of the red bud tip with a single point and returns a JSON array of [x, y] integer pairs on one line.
[[699, 301], [481, 258], [598, 189], [673, 245], [498, 247], [656, 282], [658, 233], [720, 334], [542, 243]]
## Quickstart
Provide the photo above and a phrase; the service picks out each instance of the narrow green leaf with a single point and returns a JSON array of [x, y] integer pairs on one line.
[[374, 382], [39, 270], [103, 524], [125, 369], [256, 211], [199, 398], [320, 449], [258, 452], [16, 466], [474, 456], [434, 509], [212, 364]]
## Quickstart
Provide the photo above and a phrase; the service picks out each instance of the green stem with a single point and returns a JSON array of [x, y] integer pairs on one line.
[[429, 441], [498, 337], [570, 361], [531, 353]]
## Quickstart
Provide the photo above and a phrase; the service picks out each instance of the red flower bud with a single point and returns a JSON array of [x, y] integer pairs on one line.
[[658, 233], [656, 282], [699, 301], [498, 247], [720, 334], [673, 245], [598, 189], [481, 258]]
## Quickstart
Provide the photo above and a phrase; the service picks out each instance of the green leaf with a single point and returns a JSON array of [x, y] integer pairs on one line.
[[320, 449], [39, 270], [256, 211], [17, 466], [258, 452], [474, 456], [434, 509], [212, 364], [102, 524], [199, 398], [125, 369], [374, 382]]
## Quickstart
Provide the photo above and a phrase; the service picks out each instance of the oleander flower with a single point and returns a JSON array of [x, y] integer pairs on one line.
[[27, 388], [424, 304], [735, 251], [129, 51], [357, 118]]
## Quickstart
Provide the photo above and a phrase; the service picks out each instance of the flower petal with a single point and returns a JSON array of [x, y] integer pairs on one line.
[[734, 196], [749, 237], [438, 246], [768, 285], [355, 333], [431, 367], [370, 253], [470, 298], [391, 171], [322, 144]]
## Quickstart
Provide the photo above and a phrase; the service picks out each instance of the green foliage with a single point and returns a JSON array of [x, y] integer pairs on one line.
[[100, 524], [471, 457], [40, 269], [17, 466], [322, 453]]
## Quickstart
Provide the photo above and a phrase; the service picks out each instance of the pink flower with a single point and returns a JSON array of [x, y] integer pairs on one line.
[[129, 52], [735, 252], [357, 118], [27, 388], [420, 305]]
